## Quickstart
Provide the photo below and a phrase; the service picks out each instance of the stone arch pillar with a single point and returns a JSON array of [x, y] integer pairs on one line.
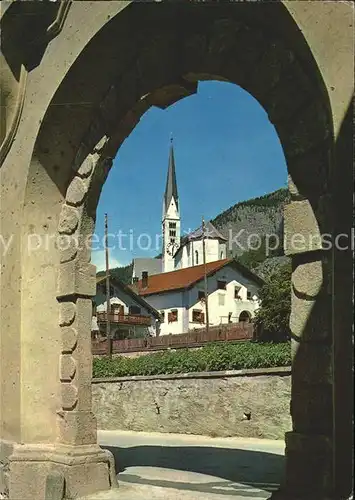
[[309, 452], [68, 446]]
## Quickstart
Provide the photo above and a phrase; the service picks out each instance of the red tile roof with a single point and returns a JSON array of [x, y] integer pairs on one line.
[[181, 279]]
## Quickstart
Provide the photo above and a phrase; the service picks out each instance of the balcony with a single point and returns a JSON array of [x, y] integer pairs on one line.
[[124, 319]]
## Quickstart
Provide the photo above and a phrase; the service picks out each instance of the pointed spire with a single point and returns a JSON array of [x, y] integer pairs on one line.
[[171, 185]]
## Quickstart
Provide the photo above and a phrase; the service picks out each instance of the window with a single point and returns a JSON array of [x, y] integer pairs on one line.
[[221, 299], [172, 225], [221, 285], [201, 295], [198, 316], [196, 257], [172, 240], [172, 233], [134, 310], [162, 316], [237, 292], [221, 255], [173, 316], [249, 295], [117, 308]]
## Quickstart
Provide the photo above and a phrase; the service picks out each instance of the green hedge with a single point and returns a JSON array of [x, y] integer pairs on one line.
[[213, 357]]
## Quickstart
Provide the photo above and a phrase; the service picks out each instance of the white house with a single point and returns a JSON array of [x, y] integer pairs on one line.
[[179, 295], [130, 315]]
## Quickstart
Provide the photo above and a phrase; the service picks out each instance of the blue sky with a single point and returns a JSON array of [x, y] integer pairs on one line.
[[226, 151]]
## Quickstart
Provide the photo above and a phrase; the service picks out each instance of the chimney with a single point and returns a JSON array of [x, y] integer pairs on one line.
[[144, 279], [134, 285]]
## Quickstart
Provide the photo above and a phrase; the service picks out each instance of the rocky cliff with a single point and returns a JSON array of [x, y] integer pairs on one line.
[[254, 229]]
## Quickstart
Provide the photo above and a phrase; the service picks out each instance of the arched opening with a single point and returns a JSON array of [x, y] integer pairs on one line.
[[72, 157], [245, 317], [157, 85]]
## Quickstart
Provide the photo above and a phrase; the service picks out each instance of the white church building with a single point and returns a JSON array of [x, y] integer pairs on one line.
[[178, 291], [190, 252], [179, 253]]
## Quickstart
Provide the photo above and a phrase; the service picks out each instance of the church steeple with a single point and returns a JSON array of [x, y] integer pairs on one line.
[[171, 216], [171, 185]]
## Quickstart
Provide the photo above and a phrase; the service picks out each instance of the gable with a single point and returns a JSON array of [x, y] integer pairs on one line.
[[127, 295]]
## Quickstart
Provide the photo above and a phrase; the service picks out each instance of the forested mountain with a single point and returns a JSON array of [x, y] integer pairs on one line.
[[257, 216], [250, 222], [122, 273]]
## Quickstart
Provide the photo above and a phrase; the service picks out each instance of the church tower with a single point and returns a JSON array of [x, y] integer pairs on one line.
[[171, 216]]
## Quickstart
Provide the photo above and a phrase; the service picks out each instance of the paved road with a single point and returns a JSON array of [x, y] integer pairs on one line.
[[178, 467]]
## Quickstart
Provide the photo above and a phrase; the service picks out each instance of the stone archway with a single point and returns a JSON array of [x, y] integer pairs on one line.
[[157, 58]]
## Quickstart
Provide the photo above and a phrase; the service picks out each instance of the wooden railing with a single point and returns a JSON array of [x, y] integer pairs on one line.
[[194, 338], [124, 319]]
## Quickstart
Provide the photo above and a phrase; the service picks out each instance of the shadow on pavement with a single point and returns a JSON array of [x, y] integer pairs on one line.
[[261, 470]]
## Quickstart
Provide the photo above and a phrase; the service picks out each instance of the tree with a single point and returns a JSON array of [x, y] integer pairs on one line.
[[273, 316], [253, 257], [122, 273]]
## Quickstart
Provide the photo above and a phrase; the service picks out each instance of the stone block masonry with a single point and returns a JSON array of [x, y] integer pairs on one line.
[[243, 403]]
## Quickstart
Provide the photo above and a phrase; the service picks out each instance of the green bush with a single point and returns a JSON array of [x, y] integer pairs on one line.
[[213, 357], [273, 317]]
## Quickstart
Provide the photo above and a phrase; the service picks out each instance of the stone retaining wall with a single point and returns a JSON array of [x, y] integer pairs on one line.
[[246, 403]]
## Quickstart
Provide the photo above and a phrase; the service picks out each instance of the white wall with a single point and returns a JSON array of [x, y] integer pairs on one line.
[[186, 301], [172, 215], [223, 302], [119, 297], [192, 253], [165, 302]]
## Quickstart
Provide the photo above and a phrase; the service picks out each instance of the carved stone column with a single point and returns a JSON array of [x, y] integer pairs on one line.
[[82, 466], [309, 452]]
